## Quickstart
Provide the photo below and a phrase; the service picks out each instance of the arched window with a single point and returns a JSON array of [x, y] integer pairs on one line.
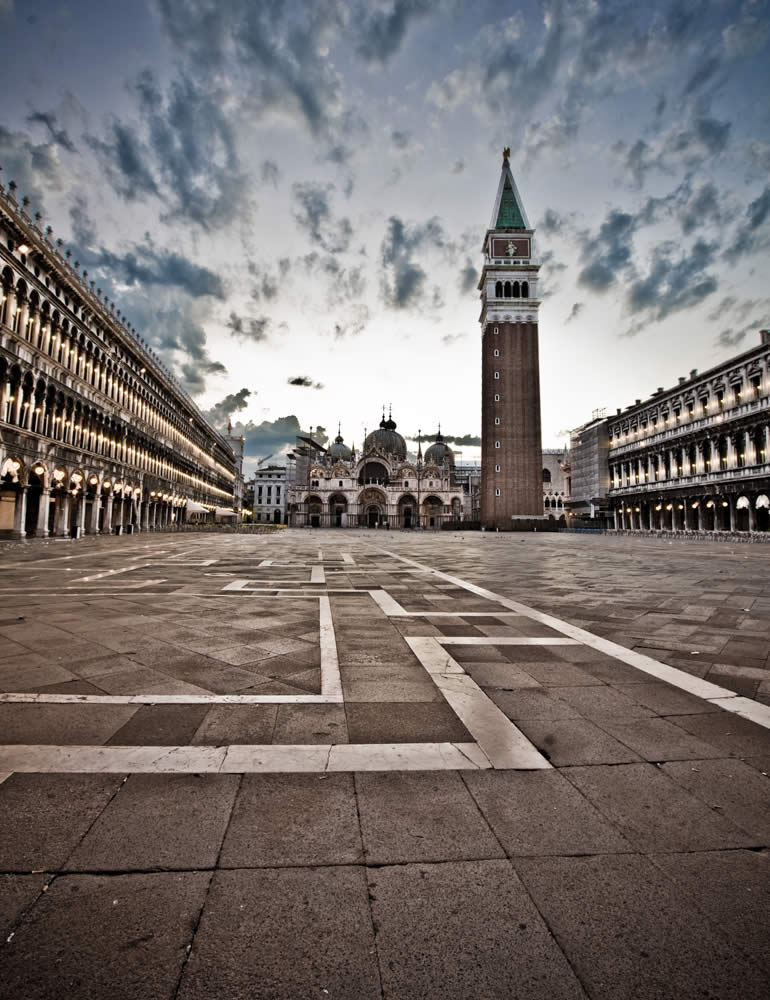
[[525, 289], [546, 475], [516, 290], [499, 290], [507, 290]]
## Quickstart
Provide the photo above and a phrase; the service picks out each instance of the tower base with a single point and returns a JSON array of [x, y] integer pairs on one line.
[[520, 522]]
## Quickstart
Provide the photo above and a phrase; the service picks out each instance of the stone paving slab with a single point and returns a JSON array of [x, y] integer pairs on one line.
[[421, 817], [464, 929], [96, 936], [293, 820], [627, 936], [282, 933], [161, 821]]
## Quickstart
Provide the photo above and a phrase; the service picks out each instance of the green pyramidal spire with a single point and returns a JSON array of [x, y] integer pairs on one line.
[[509, 214]]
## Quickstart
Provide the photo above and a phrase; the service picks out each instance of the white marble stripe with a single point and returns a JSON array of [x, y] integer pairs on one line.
[[388, 604], [4, 775], [725, 698], [265, 562], [242, 759], [317, 575], [331, 682], [504, 744], [168, 699], [348, 558], [747, 708], [498, 640], [113, 572]]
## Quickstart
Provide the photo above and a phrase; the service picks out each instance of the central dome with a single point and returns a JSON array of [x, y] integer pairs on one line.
[[339, 451], [386, 439], [440, 452]]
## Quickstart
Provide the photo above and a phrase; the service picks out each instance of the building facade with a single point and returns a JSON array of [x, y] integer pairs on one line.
[[511, 470], [378, 488], [692, 458], [271, 500], [556, 482], [95, 434], [590, 472]]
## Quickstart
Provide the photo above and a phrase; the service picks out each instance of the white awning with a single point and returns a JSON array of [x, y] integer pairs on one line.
[[195, 508], [224, 512]]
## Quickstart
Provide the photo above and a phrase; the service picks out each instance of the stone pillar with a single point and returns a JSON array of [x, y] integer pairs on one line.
[[615, 517], [107, 522], [700, 462], [81, 521], [701, 517], [674, 516], [752, 516], [93, 521], [21, 328], [145, 515], [41, 528], [733, 518], [62, 525], [118, 515], [732, 456], [34, 327], [686, 514], [20, 513]]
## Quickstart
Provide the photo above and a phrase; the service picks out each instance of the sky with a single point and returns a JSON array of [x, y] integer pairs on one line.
[[288, 199]]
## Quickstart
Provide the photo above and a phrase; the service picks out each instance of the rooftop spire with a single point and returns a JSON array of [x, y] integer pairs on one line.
[[508, 211]]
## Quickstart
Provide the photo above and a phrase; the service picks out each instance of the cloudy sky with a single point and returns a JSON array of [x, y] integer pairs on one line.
[[288, 199]]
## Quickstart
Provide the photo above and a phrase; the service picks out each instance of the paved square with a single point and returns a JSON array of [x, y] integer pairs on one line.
[[437, 726]]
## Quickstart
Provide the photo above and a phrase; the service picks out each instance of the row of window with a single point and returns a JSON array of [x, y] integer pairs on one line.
[[512, 290], [693, 409], [749, 450]]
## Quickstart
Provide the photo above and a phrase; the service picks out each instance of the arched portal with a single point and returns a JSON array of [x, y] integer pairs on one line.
[[338, 508], [407, 511]]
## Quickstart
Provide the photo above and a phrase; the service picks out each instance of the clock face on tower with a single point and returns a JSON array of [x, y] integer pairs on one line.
[[510, 246]]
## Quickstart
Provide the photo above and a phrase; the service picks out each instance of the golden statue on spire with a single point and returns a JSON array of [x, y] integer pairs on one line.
[[506, 154]]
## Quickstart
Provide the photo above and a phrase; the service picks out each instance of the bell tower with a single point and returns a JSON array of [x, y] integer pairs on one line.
[[511, 446]]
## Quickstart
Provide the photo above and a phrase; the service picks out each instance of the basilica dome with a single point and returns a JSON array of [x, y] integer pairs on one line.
[[440, 452], [339, 451], [387, 440]]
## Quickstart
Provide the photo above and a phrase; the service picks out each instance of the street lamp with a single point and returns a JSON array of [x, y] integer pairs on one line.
[[419, 476]]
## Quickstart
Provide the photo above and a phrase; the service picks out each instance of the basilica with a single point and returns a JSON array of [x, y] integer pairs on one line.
[[380, 487]]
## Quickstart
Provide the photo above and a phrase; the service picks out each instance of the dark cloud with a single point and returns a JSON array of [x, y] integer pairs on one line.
[[124, 157], [660, 105], [702, 209], [577, 308], [266, 281], [175, 331], [469, 277], [35, 167], [732, 337], [752, 234], [552, 222], [312, 214], [270, 173], [220, 413], [147, 264], [672, 282], [271, 437], [58, 135], [249, 328], [305, 381], [381, 30], [458, 166], [403, 279], [706, 69], [608, 253], [461, 440], [83, 226]]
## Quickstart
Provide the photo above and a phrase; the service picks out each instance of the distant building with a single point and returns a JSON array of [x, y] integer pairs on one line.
[[693, 457], [556, 482], [379, 488], [270, 501]]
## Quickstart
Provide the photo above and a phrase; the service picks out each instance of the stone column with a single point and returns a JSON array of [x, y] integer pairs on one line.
[[93, 521], [701, 517], [700, 462], [41, 528], [732, 456], [81, 522], [20, 513], [686, 514], [733, 513], [63, 515], [615, 517], [145, 515], [107, 522], [752, 516], [674, 516], [21, 328]]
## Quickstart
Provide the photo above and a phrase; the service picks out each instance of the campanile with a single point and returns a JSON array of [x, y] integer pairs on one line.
[[511, 447]]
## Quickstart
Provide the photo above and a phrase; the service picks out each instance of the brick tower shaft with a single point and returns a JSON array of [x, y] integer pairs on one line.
[[511, 444]]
